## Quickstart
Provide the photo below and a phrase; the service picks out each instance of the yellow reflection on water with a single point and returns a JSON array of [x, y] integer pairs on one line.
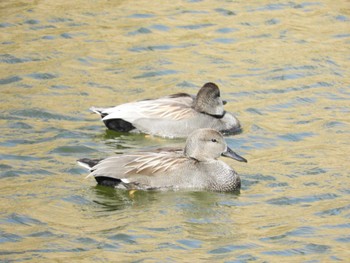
[[282, 66]]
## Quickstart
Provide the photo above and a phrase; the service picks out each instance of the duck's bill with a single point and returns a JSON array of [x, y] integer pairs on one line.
[[231, 154]]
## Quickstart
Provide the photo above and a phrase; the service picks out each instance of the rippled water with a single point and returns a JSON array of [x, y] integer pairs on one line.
[[283, 67]]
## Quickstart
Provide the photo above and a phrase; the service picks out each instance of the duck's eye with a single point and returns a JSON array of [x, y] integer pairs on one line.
[[214, 140]]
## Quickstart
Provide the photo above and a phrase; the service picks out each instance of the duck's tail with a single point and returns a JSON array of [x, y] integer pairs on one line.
[[101, 180], [88, 163], [99, 111]]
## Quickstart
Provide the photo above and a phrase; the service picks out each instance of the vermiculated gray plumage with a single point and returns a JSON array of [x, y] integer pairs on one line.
[[176, 115], [195, 167]]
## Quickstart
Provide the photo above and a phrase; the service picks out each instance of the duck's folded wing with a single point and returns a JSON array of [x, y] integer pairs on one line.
[[172, 108], [138, 168]]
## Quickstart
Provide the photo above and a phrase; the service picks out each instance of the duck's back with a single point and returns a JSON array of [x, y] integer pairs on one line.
[[170, 107], [171, 116], [167, 170]]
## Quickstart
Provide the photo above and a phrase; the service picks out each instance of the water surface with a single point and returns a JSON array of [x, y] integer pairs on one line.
[[282, 66]]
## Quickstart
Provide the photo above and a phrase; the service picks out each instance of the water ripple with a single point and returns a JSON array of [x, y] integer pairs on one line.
[[300, 200], [334, 211], [9, 237], [190, 243], [157, 48], [10, 80], [32, 22], [70, 150], [141, 16], [310, 248], [42, 234], [60, 20], [10, 59], [196, 27], [296, 137], [5, 24], [141, 30], [36, 113], [156, 73], [290, 63], [230, 248], [160, 27], [168, 245], [225, 12], [344, 239], [42, 76], [22, 220], [226, 30]]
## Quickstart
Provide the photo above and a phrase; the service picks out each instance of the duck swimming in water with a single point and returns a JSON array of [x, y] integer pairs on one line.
[[173, 116], [195, 167]]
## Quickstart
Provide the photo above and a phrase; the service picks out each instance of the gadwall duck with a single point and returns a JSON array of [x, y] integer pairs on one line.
[[195, 167], [174, 116]]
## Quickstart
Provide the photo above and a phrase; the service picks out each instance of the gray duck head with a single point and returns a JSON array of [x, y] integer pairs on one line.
[[208, 100], [208, 144]]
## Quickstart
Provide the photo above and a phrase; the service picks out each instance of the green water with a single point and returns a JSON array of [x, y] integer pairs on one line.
[[282, 66]]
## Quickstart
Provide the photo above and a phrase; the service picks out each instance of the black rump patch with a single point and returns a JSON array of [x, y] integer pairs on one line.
[[119, 125], [107, 181]]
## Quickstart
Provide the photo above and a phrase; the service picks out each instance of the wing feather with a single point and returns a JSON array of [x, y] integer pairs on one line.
[[167, 108], [142, 164]]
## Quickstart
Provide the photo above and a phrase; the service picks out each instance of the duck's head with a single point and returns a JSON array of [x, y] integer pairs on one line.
[[208, 144], [208, 100]]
